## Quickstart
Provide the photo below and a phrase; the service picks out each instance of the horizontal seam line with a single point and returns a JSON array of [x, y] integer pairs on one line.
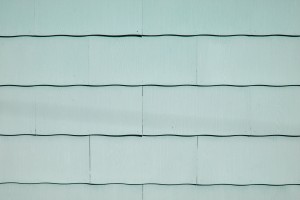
[[148, 85], [145, 135], [154, 35], [162, 184]]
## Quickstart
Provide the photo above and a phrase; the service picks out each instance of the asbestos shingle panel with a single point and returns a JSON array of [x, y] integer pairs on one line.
[[62, 16], [44, 61], [242, 160], [143, 160], [115, 17], [44, 159], [240, 60], [143, 60], [70, 192], [70, 17], [193, 111], [17, 17], [275, 110], [221, 193], [221, 111], [82, 110], [221, 17], [17, 111]]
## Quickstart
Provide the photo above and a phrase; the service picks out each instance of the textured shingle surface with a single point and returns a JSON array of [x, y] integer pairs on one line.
[[143, 160], [44, 159], [79, 166], [71, 192]]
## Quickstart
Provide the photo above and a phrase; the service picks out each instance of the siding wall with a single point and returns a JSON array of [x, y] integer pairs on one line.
[[149, 142]]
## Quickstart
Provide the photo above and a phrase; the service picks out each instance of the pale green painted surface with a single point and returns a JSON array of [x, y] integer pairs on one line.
[[118, 110], [149, 16]]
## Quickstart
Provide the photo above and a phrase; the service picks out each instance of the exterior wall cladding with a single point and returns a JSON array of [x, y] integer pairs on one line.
[[212, 116]]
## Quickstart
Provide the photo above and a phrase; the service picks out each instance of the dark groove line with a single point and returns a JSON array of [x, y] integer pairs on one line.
[[137, 135], [149, 85], [154, 35], [143, 184]]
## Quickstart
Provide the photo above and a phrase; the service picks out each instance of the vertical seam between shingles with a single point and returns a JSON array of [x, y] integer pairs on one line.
[[250, 111], [142, 192], [35, 113], [142, 110], [196, 61], [90, 159], [88, 64], [197, 162]]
